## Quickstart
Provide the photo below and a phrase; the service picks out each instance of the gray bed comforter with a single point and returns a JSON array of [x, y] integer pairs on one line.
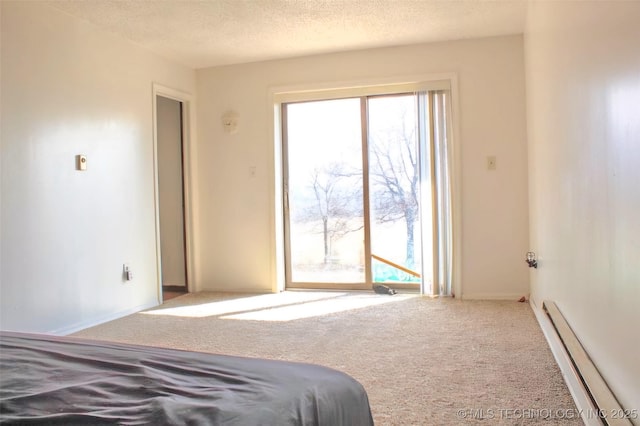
[[67, 381]]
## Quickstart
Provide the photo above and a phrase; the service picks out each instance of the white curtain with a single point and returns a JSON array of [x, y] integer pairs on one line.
[[435, 190]]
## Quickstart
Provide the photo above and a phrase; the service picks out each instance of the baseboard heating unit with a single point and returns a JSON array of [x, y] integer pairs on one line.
[[608, 409]]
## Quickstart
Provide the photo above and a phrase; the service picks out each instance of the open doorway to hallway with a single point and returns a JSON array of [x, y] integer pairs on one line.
[[171, 196]]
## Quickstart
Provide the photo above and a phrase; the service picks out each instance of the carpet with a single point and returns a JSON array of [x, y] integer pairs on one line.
[[422, 361]]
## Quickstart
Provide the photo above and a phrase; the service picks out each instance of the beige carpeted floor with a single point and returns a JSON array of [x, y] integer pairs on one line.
[[422, 361]]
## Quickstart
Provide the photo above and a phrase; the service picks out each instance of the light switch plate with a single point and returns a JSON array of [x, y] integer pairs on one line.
[[491, 162], [81, 162]]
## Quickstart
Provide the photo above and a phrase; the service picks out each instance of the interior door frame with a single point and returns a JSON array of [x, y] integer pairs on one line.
[[188, 124]]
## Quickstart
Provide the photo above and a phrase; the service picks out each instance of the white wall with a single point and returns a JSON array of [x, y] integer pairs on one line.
[[70, 89], [583, 97], [236, 239]]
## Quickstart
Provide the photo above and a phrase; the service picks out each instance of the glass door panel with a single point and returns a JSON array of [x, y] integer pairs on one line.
[[394, 189], [324, 184]]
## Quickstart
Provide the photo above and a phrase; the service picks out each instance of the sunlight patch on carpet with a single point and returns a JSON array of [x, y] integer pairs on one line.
[[317, 308], [285, 306], [243, 304]]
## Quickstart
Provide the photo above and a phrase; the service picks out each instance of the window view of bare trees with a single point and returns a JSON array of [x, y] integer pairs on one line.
[[335, 206], [394, 174], [327, 203], [326, 220]]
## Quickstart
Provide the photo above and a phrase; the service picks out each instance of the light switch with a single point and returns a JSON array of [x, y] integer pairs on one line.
[[491, 162], [127, 273], [81, 162]]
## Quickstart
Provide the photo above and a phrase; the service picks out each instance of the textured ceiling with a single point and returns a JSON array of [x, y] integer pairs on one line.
[[204, 33]]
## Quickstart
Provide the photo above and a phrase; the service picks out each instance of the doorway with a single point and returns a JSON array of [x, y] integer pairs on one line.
[[367, 198], [171, 203]]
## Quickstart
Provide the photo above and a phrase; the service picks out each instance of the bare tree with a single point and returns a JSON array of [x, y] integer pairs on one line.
[[394, 185], [394, 176], [337, 202]]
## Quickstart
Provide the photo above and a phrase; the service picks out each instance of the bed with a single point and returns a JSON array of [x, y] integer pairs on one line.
[[66, 381]]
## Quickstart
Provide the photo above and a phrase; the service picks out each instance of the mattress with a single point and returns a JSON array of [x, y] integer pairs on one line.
[[66, 381]]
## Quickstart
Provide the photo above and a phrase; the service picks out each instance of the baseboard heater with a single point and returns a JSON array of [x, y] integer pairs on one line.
[[608, 409]]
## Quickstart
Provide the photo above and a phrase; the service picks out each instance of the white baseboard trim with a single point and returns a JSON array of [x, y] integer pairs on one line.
[[493, 296], [99, 320], [571, 378]]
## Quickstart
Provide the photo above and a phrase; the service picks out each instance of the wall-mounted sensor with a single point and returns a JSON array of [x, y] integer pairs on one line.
[[81, 162]]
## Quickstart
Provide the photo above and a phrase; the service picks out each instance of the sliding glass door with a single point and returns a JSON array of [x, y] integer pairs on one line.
[[325, 193], [394, 189], [361, 204]]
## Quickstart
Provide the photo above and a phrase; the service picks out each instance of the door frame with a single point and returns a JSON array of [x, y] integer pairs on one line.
[[188, 124], [365, 135], [277, 95]]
